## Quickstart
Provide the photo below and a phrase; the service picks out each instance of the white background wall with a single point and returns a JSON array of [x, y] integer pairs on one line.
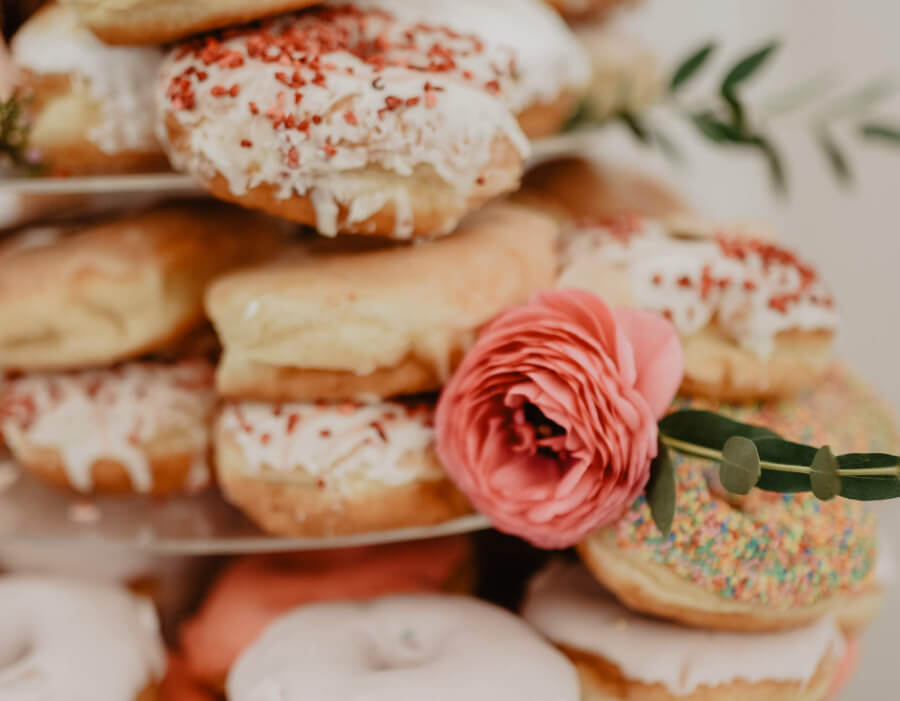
[[853, 236]]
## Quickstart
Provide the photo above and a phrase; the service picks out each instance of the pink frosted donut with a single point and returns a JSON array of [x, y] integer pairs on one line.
[[253, 590]]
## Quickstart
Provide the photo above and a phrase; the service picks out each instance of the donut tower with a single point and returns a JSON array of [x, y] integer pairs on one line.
[[367, 322]]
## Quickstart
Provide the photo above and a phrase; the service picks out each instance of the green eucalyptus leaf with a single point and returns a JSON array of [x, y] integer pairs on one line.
[[778, 450], [708, 429], [773, 159], [861, 99], [824, 479], [740, 469], [660, 490], [869, 488], [689, 67], [581, 116], [881, 132], [835, 156], [746, 67], [635, 125], [717, 130]]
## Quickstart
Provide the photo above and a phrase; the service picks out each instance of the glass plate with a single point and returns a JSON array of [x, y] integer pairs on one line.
[[32, 513]]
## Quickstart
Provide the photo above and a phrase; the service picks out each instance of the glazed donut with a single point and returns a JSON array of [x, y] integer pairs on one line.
[[64, 639], [349, 319], [766, 561], [336, 118], [138, 427], [443, 648], [100, 292], [92, 104], [319, 469], [155, 22], [580, 192], [623, 655], [254, 590], [756, 321]]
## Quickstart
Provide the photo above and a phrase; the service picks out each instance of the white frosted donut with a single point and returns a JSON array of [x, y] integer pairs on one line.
[[66, 640], [756, 321], [140, 427], [626, 655], [351, 120], [94, 103], [314, 469], [404, 648]]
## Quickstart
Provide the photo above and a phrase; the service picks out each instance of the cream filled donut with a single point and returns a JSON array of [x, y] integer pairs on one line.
[[349, 319], [350, 119], [141, 427], [65, 639], [620, 654], [94, 293], [756, 321], [252, 591], [319, 469], [155, 22], [766, 561], [403, 648], [92, 104]]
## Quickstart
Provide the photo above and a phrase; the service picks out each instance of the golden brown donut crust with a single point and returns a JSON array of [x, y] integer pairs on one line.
[[602, 680], [295, 505], [160, 21], [436, 206]]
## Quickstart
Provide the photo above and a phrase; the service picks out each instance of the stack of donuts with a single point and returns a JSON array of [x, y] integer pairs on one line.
[[283, 342]]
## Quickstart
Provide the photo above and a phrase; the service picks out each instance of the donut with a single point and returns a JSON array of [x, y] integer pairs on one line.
[[92, 105], [353, 319], [65, 639], [91, 294], [756, 321], [319, 469], [443, 648], [581, 192], [170, 582], [254, 590], [137, 427], [623, 655], [336, 118], [155, 22], [766, 561]]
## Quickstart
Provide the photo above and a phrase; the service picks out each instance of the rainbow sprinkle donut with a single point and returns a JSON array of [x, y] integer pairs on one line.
[[766, 561]]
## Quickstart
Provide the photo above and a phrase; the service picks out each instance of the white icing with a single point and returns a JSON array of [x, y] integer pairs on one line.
[[570, 608], [119, 79], [63, 640], [440, 119], [666, 275], [404, 648], [112, 414], [337, 443], [548, 57], [31, 238]]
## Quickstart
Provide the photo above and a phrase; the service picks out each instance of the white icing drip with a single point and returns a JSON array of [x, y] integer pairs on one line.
[[548, 57], [119, 79], [112, 414], [666, 275], [73, 641], [404, 648], [570, 608], [449, 126], [336, 443]]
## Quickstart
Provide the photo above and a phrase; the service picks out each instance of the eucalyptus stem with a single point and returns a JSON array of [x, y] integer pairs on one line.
[[699, 451]]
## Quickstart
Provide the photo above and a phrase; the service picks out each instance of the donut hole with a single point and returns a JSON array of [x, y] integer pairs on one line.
[[399, 649]]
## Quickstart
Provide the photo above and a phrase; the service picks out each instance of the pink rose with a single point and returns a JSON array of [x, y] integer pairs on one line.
[[549, 425]]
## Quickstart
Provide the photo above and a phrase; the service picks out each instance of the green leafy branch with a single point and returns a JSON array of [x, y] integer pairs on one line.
[[724, 119], [752, 456], [14, 133]]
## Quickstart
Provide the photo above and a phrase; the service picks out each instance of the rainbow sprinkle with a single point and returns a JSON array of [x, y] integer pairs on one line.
[[779, 550]]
